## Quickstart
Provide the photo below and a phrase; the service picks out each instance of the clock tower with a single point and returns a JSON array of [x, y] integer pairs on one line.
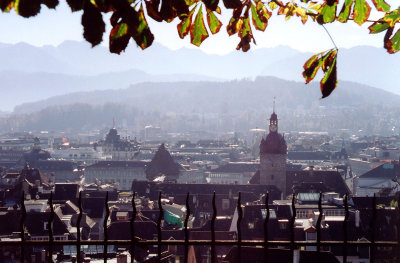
[[273, 150]]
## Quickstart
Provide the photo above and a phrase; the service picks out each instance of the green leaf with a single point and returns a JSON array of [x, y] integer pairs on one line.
[[392, 18], [381, 5], [361, 11], [141, 33], [198, 31], [119, 38], [272, 5], [327, 62], [184, 25], [312, 66], [328, 12], [378, 27], [393, 44], [329, 81], [93, 25], [345, 12], [258, 24], [213, 22], [260, 16]]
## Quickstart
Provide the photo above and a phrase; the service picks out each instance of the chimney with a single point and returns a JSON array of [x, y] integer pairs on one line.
[[122, 258], [296, 256], [357, 218], [311, 169]]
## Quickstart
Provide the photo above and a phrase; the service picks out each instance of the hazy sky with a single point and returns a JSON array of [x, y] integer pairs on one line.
[[51, 27]]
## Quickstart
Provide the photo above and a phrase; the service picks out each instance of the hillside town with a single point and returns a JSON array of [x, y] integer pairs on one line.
[[108, 181]]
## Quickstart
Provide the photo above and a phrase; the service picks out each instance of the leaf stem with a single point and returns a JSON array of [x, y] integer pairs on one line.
[[333, 42]]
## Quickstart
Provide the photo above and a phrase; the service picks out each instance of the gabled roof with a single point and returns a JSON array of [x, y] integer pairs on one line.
[[386, 170], [35, 224]]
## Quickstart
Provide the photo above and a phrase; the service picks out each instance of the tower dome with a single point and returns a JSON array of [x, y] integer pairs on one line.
[[274, 142]]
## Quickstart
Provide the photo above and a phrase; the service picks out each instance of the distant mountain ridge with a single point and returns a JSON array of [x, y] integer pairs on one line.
[[237, 95], [236, 105], [32, 73]]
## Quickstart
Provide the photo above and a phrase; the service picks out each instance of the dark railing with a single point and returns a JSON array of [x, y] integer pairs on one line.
[[239, 243]]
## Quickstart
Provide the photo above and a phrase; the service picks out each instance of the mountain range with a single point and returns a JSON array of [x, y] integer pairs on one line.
[[32, 73]]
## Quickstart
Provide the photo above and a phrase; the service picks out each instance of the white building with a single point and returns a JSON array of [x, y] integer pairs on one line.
[[121, 172]]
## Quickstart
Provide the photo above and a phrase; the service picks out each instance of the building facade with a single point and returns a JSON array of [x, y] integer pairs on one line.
[[273, 151]]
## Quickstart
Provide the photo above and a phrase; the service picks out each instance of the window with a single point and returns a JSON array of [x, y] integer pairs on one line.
[[272, 177], [225, 204]]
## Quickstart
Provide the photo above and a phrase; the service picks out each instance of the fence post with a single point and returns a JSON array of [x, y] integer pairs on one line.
[[239, 227], [213, 229], [186, 228], [22, 227], [346, 217], [160, 217], [78, 227], [133, 240], [266, 228], [319, 224], [292, 220], [50, 226], [105, 229]]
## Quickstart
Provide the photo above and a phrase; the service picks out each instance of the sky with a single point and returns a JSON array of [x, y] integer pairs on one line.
[[52, 27]]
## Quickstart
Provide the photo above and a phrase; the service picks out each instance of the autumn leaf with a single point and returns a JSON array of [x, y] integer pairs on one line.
[[329, 82], [119, 38], [232, 4], [6, 5], [198, 31], [393, 45], [260, 15], [166, 10], [345, 12], [141, 32], [378, 27], [327, 62], [361, 11], [392, 18], [245, 34], [213, 22], [27, 8], [211, 4], [328, 12], [381, 5], [76, 5], [51, 3], [93, 24], [184, 25]]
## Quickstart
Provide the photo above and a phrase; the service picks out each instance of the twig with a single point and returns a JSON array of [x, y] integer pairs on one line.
[[333, 42]]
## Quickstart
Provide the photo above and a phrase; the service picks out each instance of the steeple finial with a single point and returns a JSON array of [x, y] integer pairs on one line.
[[113, 123], [273, 110]]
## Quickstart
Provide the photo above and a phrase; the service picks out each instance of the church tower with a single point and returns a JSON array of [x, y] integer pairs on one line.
[[273, 150]]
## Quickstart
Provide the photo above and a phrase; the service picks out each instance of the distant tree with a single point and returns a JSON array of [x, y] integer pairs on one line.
[[199, 18]]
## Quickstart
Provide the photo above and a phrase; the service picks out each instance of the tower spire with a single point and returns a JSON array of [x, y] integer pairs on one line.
[[273, 109]]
